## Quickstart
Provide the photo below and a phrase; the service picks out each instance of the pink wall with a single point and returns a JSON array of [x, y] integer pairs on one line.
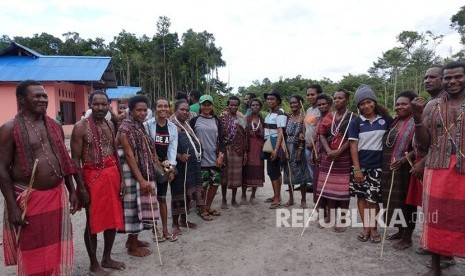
[[56, 91], [8, 105]]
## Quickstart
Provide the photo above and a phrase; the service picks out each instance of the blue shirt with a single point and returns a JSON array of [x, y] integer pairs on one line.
[[370, 140]]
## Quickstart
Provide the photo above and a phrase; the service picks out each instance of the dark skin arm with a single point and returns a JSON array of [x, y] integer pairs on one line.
[[70, 186], [122, 189], [145, 186], [274, 154], [333, 154], [358, 175], [6, 183], [420, 112], [77, 142]]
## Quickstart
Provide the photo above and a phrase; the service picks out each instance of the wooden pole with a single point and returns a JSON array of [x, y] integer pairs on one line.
[[185, 190], [153, 217], [326, 179], [26, 198], [387, 212]]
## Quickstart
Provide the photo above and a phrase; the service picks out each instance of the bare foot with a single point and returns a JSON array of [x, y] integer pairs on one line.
[[224, 205], [401, 245], [235, 204], [176, 230], [98, 271], [191, 224], [253, 201], [110, 263], [320, 223], [396, 236], [139, 243], [244, 201], [303, 205], [289, 203], [337, 229], [139, 252], [432, 273]]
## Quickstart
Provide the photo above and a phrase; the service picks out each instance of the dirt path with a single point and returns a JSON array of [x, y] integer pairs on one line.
[[245, 241]]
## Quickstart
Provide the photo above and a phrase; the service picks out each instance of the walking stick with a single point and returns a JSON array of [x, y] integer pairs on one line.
[[26, 198], [153, 216], [185, 190], [288, 167], [387, 209], [326, 179]]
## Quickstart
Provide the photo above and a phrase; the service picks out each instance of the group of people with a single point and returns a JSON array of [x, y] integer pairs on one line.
[[123, 171]]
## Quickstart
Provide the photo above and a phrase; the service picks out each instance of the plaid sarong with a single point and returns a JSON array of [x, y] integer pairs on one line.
[[443, 205], [231, 175], [46, 243], [136, 206]]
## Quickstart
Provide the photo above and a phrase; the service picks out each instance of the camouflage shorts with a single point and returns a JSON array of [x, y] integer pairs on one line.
[[211, 176]]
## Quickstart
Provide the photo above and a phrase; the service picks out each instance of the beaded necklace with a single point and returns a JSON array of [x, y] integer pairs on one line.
[[335, 131], [255, 127], [232, 128], [99, 145], [388, 142], [447, 130], [43, 148]]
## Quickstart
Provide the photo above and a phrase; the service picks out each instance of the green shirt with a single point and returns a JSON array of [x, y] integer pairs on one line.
[[195, 108]]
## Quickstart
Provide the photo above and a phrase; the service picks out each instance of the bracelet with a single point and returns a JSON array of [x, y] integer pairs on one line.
[[418, 124], [358, 170], [220, 154]]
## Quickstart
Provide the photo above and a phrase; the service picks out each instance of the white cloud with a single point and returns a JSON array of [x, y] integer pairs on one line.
[[260, 39]]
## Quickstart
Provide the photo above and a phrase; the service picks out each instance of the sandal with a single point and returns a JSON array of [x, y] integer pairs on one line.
[[362, 237], [214, 212], [375, 239], [171, 237], [422, 251], [269, 200], [205, 216], [159, 238], [275, 205]]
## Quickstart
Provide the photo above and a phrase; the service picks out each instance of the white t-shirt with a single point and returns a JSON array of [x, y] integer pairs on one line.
[[274, 119]]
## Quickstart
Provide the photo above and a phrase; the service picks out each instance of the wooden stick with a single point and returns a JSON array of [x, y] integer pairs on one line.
[[26, 198], [185, 190], [408, 159], [288, 167], [326, 179], [153, 217], [387, 212]]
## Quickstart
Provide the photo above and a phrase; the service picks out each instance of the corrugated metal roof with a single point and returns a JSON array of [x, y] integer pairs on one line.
[[122, 92], [14, 66], [50, 68]]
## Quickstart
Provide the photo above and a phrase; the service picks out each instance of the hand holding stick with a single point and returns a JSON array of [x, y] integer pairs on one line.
[[26, 198]]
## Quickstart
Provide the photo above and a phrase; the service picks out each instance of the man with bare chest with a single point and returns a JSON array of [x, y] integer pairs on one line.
[[37, 221], [440, 130], [93, 148]]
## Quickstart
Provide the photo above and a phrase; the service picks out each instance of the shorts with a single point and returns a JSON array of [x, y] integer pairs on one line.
[[370, 188], [211, 176], [162, 188], [273, 169]]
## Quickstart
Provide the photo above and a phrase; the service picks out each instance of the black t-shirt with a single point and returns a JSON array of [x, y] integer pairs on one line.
[[162, 140]]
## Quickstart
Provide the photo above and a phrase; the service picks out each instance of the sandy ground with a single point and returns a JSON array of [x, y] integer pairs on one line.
[[245, 240]]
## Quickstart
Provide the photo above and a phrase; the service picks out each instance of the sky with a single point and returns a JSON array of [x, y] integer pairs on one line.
[[259, 38]]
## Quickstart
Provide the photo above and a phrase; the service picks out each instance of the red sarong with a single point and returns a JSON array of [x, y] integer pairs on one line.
[[443, 205], [103, 184], [46, 243]]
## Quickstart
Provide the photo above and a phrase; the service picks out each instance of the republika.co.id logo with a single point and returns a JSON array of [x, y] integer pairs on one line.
[[347, 218]]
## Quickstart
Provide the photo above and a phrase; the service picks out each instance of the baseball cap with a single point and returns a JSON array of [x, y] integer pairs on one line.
[[205, 98]]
